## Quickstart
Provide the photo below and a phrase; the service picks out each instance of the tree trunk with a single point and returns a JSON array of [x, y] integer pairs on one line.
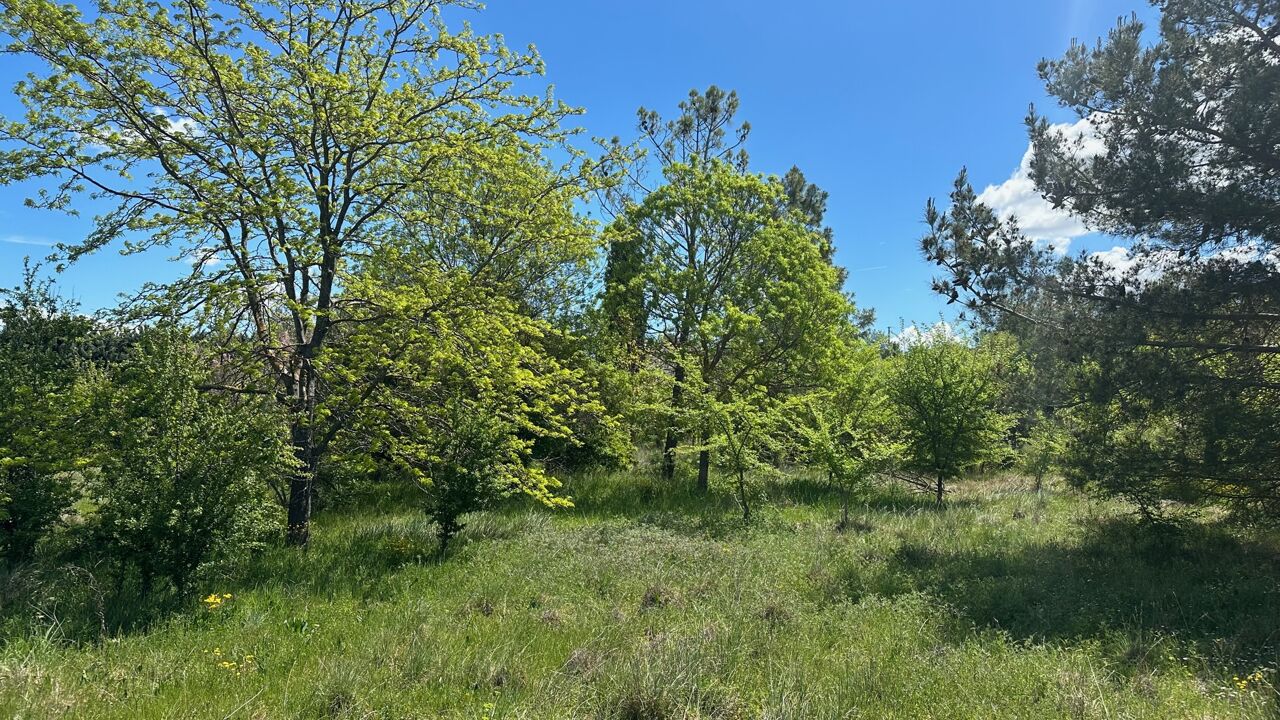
[[673, 437], [299, 531], [704, 469], [742, 497], [302, 484], [941, 488], [669, 455]]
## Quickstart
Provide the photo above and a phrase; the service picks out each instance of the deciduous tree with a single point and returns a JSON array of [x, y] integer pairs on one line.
[[846, 429], [274, 144], [947, 395]]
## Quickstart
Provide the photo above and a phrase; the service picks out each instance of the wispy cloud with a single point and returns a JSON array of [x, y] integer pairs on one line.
[[27, 240], [869, 269], [178, 123], [203, 258]]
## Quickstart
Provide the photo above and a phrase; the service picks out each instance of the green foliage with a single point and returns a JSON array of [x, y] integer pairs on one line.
[[40, 367], [847, 430], [445, 383], [622, 302], [599, 437], [1043, 450], [472, 463], [744, 434], [947, 395], [181, 474], [729, 270], [1172, 355], [285, 139]]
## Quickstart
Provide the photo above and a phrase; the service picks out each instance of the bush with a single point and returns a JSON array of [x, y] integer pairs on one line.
[[182, 474], [39, 368]]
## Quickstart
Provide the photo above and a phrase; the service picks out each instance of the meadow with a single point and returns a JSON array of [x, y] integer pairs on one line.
[[646, 602]]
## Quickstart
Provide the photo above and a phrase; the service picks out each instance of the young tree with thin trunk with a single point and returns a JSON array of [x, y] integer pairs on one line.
[[946, 394], [846, 429], [449, 383], [745, 429], [1044, 448]]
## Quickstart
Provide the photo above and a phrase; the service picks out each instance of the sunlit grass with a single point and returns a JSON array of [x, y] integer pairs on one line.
[[643, 602]]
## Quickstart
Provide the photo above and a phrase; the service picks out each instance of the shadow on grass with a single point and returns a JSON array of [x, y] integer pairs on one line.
[[608, 495], [1128, 585], [77, 601], [645, 498], [676, 505], [649, 499], [356, 548], [884, 495]]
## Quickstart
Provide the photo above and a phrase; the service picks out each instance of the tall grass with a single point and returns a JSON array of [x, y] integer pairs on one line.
[[647, 601]]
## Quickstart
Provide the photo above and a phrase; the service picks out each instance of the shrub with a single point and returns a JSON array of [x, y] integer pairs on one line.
[[182, 473], [39, 368]]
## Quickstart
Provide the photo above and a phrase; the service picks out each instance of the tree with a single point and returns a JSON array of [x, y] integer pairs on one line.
[[449, 384], [697, 135], [1043, 449], [946, 394], [274, 143], [728, 277], [746, 306], [846, 429], [180, 475], [744, 428], [1173, 340], [810, 202]]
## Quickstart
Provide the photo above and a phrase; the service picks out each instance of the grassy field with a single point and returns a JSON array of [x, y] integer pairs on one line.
[[643, 603]]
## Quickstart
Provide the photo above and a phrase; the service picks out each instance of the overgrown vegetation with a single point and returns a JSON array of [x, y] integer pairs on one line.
[[401, 316], [648, 600]]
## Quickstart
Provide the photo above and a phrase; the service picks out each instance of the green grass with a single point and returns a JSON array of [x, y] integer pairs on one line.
[[648, 603]]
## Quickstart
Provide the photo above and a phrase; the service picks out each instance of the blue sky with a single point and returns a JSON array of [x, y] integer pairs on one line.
[[880, 103]]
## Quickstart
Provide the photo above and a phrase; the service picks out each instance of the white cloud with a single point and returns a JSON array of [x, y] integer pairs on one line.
[[1141, 268], [1039, 220], [178, 124], [204, 257], [912, 335], [1118, 258], [108, 138], [1248, 253], [1133, 271]]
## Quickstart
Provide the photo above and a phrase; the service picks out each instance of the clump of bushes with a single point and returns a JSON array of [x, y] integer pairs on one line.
[[181, 473]]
